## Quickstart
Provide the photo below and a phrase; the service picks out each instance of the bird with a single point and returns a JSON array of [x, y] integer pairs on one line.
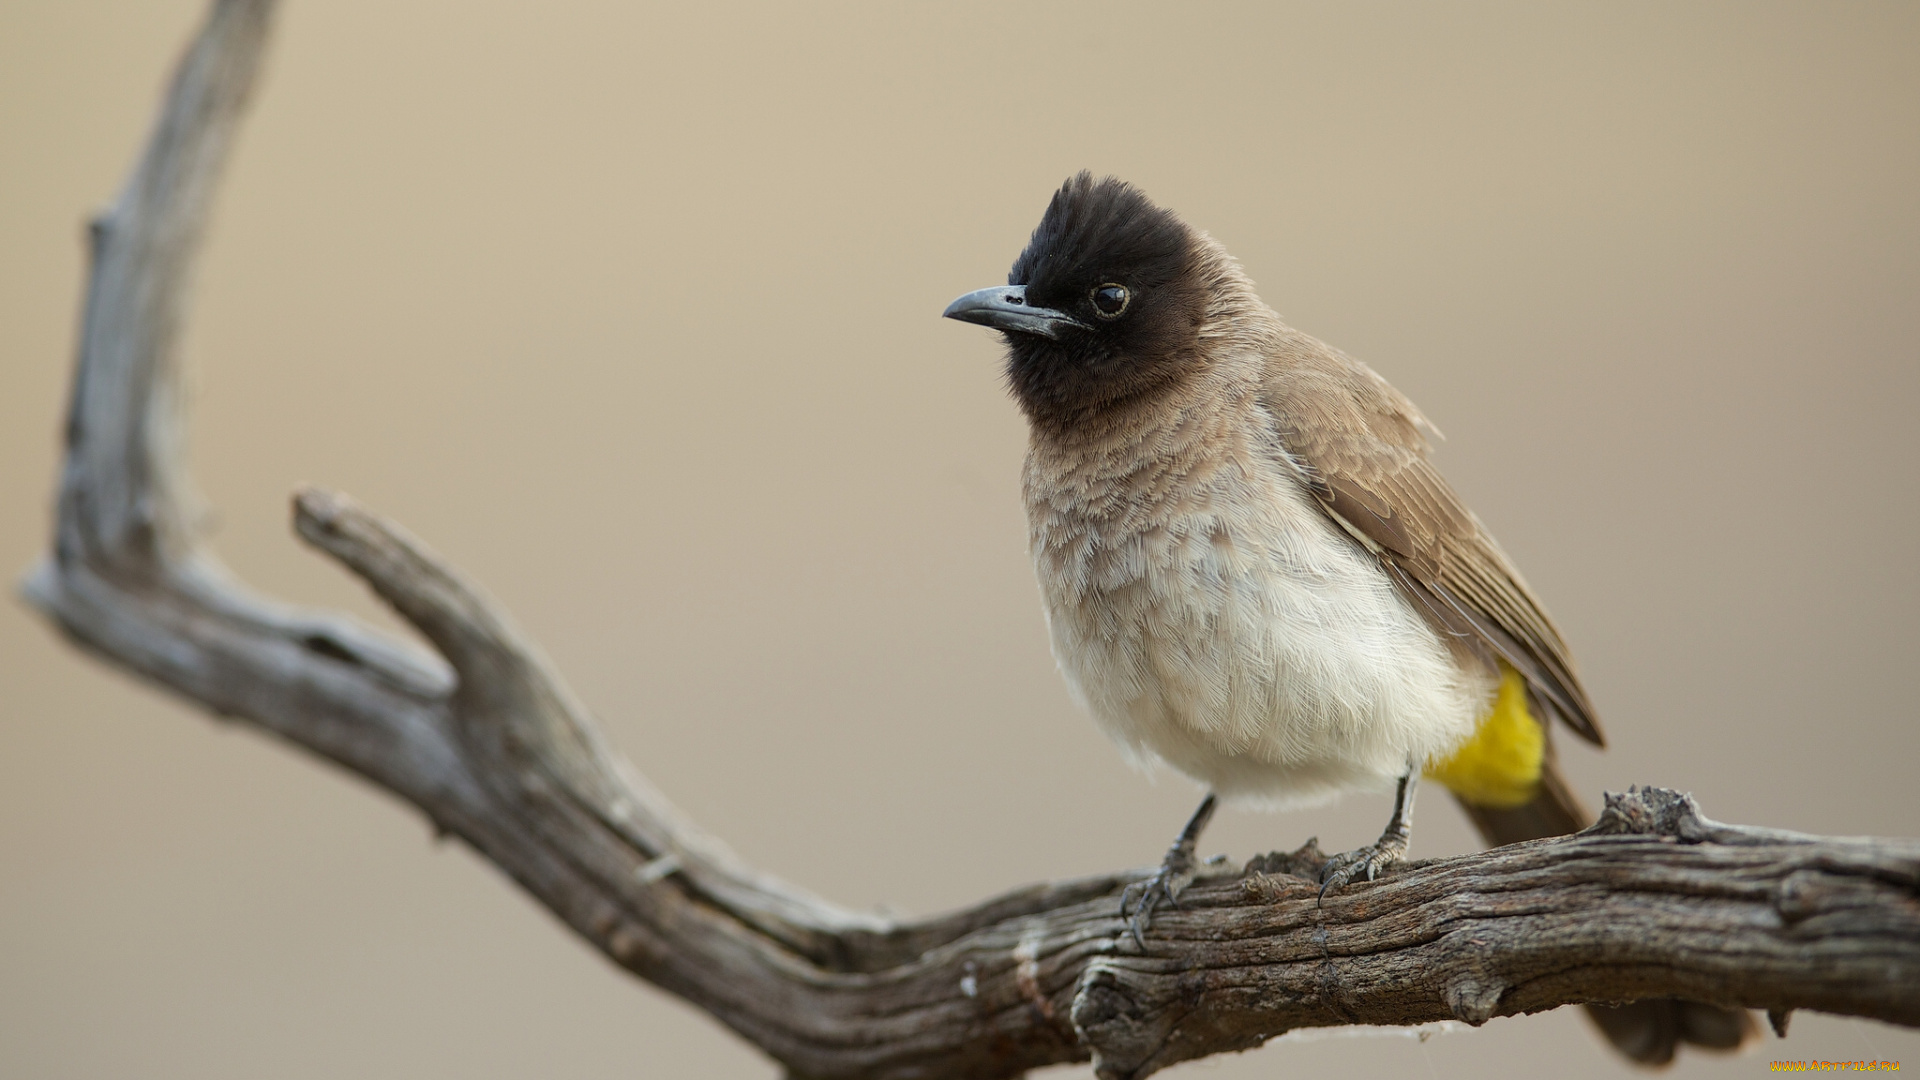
[[1252, 571]]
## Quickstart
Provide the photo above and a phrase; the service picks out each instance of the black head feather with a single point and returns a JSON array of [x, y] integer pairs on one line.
[[1097, 233]]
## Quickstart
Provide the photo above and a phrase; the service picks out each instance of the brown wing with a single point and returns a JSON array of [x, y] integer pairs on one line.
[[1364, 448]]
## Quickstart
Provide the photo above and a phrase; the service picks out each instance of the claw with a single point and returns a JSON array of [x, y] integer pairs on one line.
[[1138, 900], [1366, 863], [1175, 874], [1340, 870]]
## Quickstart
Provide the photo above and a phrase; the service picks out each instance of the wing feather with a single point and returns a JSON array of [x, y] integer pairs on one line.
[[1363, 448]]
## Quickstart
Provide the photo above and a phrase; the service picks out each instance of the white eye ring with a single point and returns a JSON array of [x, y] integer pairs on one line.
[[1095, 298]]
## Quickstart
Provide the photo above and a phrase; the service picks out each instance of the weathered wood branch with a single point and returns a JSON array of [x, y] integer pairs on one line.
[[484, 737]]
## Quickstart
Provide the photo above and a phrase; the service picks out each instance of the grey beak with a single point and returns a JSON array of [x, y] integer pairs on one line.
[[1005, 308]]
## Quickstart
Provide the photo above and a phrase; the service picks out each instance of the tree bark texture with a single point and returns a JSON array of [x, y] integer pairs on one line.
[[483, 736]]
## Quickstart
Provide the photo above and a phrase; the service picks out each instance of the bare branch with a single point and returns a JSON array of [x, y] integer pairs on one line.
[[484, 737]]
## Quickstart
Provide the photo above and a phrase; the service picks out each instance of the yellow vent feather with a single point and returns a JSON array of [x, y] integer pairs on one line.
[[1500, 766]]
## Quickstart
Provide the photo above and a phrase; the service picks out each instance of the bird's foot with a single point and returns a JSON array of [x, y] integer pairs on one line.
[[1138, 900], [1176, 872], [1364, 863]]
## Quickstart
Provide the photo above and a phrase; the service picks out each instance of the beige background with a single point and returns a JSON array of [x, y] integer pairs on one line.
[[634, 315]]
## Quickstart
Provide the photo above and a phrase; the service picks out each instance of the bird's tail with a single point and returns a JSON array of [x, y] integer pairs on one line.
[[1648, 1031]]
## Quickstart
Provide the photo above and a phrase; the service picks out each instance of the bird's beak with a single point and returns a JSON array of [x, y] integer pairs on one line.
[[1006, 308]]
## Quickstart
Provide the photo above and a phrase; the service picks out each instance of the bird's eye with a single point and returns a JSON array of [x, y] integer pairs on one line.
[[1110, 300]]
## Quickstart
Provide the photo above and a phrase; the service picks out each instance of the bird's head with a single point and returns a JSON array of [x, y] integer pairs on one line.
[[1104, 306]]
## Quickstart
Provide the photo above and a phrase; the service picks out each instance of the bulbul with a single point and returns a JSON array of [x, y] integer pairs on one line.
[[1252, 571]]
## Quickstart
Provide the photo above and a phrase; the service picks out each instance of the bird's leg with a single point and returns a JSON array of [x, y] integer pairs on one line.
[[1175, 873], [1367, 862]]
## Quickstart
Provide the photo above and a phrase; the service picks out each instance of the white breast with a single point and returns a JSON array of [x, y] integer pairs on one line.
[[1208, 614]]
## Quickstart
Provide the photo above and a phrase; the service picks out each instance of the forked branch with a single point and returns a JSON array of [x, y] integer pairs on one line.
[[483, 736]]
